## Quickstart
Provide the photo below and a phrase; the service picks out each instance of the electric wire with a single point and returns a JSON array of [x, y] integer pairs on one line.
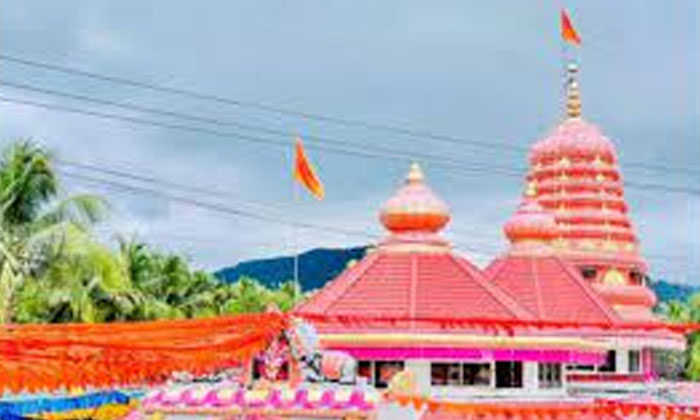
[[461, 168], [421, 134]]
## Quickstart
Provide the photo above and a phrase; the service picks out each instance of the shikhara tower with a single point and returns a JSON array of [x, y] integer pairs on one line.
[[575, 175]]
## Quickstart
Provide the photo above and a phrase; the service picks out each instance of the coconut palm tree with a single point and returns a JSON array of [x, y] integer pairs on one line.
[[247, 296], [34, 222]]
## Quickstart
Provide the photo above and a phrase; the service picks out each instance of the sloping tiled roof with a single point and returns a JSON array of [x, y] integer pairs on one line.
[[550, 289], [413, 285]]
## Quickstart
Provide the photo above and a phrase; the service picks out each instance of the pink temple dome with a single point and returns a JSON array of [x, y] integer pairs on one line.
[[575, 139], [414, 207], [531, 223]]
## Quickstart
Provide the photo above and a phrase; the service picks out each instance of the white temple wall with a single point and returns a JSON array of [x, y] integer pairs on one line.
[[622, 360], [530, 380], [421, 372]]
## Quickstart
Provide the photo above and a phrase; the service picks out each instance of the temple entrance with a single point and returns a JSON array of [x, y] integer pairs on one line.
[[509, 374]]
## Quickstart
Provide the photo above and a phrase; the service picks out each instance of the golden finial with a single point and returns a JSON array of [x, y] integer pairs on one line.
[[573, 95], [531, 189], [415, 174]]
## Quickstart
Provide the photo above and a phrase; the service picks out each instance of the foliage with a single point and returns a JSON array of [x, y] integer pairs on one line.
[[34, 223], [53, 268], [688, 311]]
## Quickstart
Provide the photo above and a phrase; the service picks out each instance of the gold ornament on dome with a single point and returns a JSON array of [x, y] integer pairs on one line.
[[613, 277], [565, 162], [597, 161], [609, 245], [531, 189], [600, 177]]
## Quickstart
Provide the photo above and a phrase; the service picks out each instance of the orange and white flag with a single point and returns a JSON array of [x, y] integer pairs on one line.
[[304, 172], [567, 29]]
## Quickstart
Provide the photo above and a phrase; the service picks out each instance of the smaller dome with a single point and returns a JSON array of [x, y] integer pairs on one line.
[[414, 207], [531, 223]]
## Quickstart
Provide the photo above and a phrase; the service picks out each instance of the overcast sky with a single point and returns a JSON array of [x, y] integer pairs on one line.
[[481, 71]]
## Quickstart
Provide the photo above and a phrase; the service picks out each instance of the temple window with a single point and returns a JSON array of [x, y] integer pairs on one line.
[[385, 370], [589, 273], [457, 374], [636, 277], [365, 369], [609, 365], [549, 375], [445, 374], [476, 374], [509, 374], [634, 361]]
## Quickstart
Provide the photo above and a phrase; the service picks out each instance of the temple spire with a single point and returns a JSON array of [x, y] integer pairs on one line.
[[573, 95]]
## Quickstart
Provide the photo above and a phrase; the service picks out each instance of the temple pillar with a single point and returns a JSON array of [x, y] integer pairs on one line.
[[622, 360], [530, 376], [648, 367]]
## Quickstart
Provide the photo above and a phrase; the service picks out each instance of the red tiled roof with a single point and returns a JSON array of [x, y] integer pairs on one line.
[[413, 285], [549, 288]]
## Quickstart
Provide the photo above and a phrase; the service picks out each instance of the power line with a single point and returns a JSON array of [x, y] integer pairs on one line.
[[214, 206], [130, 106], [286, 144], [196, 189], [305, 115], [237, 211], [215, 193], [245, 137]]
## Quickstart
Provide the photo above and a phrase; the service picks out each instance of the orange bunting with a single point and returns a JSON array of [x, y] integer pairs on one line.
[[304, 172], [53, 356], [568, 32]]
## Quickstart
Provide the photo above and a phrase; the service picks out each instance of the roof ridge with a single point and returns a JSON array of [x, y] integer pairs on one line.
[[501, 262], [496, 292]]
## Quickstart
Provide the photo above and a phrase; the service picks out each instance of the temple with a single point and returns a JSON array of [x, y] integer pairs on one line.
[[574, 262], [559, 325]]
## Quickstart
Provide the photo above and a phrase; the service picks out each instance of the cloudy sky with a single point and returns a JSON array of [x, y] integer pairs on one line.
[[476, 72]]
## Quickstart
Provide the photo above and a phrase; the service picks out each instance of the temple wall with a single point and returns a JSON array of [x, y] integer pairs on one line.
[[421, 372], [530, 381], [622, 360]]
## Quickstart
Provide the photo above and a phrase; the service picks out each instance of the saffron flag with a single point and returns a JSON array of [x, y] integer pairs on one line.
[[567, 29], [304, 173]]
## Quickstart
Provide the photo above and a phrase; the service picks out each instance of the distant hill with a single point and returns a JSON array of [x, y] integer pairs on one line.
[[318, 266], [667, 291]]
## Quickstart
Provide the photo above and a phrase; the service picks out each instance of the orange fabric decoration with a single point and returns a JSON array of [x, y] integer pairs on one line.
[[595, 409], [51, 356], [567, 30], [304, 172]]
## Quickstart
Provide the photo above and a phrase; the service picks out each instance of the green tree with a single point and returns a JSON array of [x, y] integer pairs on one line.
[[34, 222], [247, 296]]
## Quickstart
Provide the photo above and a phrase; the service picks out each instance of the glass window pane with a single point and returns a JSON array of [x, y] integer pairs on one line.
[[476, 374], [634, 361], [384, 371], [509, 374], [445, 374], [609, 365]]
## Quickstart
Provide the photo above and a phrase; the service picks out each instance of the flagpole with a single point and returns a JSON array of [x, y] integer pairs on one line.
[[295, 250]]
